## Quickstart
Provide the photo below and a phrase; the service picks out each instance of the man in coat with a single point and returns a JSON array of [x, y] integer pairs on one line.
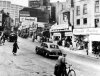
[[15, 47]]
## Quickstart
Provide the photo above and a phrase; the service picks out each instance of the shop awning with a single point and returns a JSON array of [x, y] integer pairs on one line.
[[59, 27]]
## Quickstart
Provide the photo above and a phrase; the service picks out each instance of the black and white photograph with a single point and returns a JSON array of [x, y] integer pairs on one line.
[[49, 37]]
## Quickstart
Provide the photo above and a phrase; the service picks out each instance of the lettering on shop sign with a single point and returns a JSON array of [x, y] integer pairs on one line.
[[79, 31], [91, 31], [87, 31], [30, 19]]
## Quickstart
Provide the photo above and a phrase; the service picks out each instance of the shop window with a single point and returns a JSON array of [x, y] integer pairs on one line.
[[78, 21], [80, 42], [96, 22], [68, 41], [85, 21], [96, 47], [56, 38]]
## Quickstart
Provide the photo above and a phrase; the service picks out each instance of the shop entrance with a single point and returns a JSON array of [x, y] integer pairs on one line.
[[81, 42], [68, 41], [96, 47]]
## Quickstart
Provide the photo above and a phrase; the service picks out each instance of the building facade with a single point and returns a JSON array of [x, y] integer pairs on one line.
[[62, 30], [12, 9], [86, 25], [14, 13], [38, 3], [5, 5]]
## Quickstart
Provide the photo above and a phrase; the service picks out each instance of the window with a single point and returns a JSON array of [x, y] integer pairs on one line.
[[85, 21], [78, 21], [54, 46], [85, 9], [97, 6], [97, 22], [42, 44], [4, 4], [78, 10], [45, 45]]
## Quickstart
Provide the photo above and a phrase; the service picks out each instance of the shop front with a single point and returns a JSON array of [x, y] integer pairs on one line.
[[95, 43], [61, 32], [88, 38], [68, 39], [57, 36]]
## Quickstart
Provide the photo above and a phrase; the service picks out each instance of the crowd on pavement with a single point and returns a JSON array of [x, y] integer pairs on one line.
[[67, 47]]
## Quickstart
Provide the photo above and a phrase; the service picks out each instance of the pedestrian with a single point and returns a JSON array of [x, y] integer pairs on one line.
[[3, 39], [63, 43], [0, 41], [15, 47], [60, 67]]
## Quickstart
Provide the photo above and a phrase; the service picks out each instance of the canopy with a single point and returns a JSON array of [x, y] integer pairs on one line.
[[58, 27]]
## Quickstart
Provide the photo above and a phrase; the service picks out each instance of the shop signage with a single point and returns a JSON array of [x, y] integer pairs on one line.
[[68, 33], [86, 31], [24, 14], [34, 19], [57, 34]]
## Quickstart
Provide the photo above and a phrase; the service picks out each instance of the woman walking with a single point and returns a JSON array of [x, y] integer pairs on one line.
[[15, 47]]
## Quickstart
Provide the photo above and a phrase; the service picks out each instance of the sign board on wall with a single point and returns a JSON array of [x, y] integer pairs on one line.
[[86, 31], [24, 14], [22, 19], [57, 34]]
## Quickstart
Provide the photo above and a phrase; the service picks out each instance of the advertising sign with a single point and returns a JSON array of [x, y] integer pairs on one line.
[[24, 14], [34, 3], [22, 19]]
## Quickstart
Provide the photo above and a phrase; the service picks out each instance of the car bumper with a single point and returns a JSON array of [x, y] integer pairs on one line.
[[55, 55]]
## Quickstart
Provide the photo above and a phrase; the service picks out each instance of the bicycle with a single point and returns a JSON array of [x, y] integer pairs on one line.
[[70, 71]]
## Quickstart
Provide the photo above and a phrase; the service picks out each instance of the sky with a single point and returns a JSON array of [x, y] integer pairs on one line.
[[25, 2]]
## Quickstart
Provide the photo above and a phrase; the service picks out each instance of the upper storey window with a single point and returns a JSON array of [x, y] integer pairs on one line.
[[85, 9], [78, 10], [97, 6]]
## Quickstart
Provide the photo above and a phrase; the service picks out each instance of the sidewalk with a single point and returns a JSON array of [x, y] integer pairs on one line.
[[78, 52]]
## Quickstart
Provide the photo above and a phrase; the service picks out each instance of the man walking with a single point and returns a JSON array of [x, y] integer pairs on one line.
[[15, 47]]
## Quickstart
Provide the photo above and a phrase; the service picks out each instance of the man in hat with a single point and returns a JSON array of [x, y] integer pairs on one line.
[[60, 67]]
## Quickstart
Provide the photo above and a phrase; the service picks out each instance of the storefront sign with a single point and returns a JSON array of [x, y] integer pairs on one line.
[[24, 14], [86, 31], [68, 33], [34, 19], [57, 34]]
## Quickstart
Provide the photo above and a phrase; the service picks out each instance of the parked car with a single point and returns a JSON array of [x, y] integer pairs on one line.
[[12, 37], [48, 49]]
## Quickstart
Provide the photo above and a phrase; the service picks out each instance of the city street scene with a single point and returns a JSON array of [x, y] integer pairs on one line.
[[50, 38]]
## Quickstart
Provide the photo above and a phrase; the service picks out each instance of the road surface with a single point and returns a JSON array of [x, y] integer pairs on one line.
[[28, 63]]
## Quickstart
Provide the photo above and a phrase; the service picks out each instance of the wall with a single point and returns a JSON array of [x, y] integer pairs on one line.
[[89, 15]]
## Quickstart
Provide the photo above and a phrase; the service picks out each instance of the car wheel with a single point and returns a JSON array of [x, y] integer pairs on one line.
[[47, 54], [8, 39], [36, 51]]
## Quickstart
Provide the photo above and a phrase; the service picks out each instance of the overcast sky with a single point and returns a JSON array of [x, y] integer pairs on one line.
[[25, 2]]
